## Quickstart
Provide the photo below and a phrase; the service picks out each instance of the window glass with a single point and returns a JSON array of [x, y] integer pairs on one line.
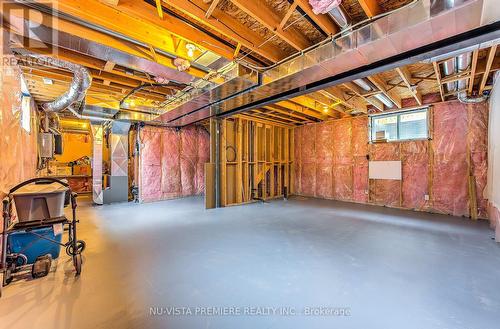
[[26, 113], [385, 127], [400, 126]]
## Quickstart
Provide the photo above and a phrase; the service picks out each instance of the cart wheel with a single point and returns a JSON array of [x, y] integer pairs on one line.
[[80, 247], [77, 262]]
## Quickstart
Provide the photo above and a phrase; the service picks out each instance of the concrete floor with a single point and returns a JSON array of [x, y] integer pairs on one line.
[[385, 268]]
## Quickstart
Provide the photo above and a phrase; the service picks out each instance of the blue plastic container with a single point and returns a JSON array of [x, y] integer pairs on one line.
[[32, 246]]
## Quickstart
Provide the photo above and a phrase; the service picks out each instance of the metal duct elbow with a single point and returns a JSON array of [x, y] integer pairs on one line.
[[77, 89], [340, 17]]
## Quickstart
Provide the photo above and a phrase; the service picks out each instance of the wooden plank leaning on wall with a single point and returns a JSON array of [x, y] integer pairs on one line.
[[255, 160]]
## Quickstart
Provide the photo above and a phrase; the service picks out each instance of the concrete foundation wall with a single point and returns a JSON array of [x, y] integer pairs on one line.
[[331, 161]]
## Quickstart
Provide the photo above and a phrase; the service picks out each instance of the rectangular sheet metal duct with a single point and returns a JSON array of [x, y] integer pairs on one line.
[[407, 29]]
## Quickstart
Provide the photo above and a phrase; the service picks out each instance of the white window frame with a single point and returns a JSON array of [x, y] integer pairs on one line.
[[398, 114]]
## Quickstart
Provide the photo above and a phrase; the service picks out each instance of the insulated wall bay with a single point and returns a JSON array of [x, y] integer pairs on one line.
[[256, 157], [171, 162], [331, 161], [18, 148]]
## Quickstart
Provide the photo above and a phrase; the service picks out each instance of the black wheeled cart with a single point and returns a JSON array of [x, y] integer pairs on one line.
[[33, 226]]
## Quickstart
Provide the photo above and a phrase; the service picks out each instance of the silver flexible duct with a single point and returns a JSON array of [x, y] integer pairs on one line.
[[77, 89], [462, 97]]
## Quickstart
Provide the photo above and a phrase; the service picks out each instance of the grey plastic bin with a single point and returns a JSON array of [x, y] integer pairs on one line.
[[39, 201]]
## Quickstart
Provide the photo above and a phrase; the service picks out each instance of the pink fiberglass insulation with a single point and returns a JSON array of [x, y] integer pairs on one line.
[[188, 160], [308, 160], [323, 6], [151, 144], [385, 191], [331, 162], [203, 157], [308, 144], [449, 189], [360, 179], [297, 158], [415, 184], [342, 182], [342, 133], [324, 181], [324, 143], [308, 179], [384, 152], [172, 162], [343, 160], [360, 137], [478, 141], [360, 152], [170, 165], [150, 187], [324, 158]]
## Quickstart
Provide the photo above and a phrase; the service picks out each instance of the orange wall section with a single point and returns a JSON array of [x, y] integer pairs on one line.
[[75, 146]]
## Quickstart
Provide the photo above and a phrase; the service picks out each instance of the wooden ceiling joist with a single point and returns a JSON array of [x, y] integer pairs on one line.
[[405, 75], [301, 109], [137, 21], [382, 86], [289, 13], [438, 79], [367, 97], [277, 116], [211, 9], [260, 11], [108, 40], [489, 62], [229, 27], [300, 116], [370, 7], [354, 103], [470, 87], [158, 8], [324, 22]]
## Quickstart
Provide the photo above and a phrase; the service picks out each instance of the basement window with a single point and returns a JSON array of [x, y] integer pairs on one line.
[[403, 126], [26, 113]]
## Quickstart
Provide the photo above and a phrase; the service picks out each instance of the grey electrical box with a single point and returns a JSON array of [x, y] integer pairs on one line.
[[46, 145]]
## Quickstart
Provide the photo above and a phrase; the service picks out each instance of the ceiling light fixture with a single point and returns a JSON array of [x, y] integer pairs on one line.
[[190, 49]]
